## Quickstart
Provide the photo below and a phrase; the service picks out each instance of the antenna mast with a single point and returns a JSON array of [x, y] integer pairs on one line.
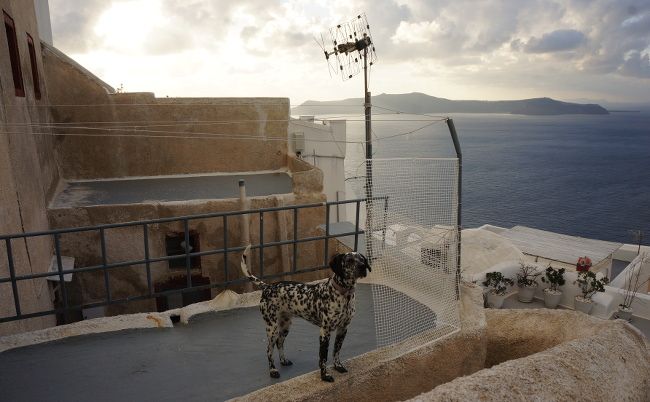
[[350, 42]]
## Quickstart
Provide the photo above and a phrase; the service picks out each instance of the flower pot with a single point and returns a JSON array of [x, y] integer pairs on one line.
[[495, 300], [526, 293], [552, 298], [582, 304], [624, 313]]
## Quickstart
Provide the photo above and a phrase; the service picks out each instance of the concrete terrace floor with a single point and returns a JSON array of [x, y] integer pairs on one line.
[[170, 188], [215, 357]]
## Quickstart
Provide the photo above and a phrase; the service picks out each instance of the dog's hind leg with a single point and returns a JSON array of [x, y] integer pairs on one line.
[[272, 335], [322, 361], [283, 330], [340, 337], [271, 318]]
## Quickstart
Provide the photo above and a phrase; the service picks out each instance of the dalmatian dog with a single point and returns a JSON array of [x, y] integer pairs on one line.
[[328, 304]]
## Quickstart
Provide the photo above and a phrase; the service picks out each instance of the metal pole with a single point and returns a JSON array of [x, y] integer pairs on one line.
[[459, 155], [369, 201]]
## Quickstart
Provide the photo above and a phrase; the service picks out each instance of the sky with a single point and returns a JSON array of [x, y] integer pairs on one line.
[[574, 50]]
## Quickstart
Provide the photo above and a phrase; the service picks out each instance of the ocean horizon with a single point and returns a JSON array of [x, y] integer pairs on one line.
[[581, 175]]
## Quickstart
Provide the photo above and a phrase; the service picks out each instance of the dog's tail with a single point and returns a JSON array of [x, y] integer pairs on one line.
[[244, 269]]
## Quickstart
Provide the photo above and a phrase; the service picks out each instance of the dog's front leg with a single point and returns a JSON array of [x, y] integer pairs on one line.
[[322, 361], [338, 342]]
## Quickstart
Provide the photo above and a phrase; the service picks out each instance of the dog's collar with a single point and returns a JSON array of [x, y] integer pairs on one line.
[[343, 291]]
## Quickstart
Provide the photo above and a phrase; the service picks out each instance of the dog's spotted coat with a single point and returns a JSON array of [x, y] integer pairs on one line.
[[329, 305]]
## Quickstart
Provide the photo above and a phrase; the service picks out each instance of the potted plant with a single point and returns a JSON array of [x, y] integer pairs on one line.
[[527, 282], [555, 279], [497, 285], [589, 283], [632, 285]]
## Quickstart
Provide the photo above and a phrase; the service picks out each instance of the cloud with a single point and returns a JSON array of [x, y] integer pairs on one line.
[[446, 42], [556, 41], [73, 23], [636, 65]]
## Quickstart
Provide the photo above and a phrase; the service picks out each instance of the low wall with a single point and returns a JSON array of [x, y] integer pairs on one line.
[[552, 355], [377, 375]]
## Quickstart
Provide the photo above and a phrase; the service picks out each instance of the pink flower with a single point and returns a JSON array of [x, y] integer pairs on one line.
[[583, 265]]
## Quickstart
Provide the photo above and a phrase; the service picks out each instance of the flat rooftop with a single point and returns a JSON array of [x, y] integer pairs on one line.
[[558, 247], [170, 188], [217, 356]]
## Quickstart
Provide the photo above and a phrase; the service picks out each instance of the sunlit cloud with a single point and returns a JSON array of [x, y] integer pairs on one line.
[[492, 49]]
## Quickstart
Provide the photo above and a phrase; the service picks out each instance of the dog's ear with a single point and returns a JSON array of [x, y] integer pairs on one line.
[[336, 263], [365, 261]]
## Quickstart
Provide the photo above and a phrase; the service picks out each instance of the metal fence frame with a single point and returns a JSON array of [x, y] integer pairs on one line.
[[105, 267]]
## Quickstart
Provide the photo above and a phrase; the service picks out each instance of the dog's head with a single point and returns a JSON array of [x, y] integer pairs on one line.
[[349, 267]]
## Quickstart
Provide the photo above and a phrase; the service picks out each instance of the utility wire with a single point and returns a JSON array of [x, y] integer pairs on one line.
[[172, 123]]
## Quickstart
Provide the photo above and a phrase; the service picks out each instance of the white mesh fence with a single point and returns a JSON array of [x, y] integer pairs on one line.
[[412, 236]]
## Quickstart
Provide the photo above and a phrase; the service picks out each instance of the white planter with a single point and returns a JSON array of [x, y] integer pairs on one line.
[[526, 293], [494, 300], [582, 304], [552, 298], [624, 313]]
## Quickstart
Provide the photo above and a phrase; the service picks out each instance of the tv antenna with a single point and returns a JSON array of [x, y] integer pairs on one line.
[[351, 44]]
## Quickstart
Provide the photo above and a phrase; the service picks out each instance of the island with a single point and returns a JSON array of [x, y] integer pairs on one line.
[[417, 103]]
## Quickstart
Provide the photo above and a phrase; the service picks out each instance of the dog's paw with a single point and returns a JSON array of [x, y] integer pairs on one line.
[[274, 373], [340, 368], [286, 362], [327, 377]]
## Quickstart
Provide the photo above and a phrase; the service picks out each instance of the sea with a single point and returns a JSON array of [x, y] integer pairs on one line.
[[582, 175]]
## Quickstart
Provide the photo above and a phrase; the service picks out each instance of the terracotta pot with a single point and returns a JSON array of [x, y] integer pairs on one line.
[[494, 300], [551, 298], [583, 305], [526, 293], [624, 313]]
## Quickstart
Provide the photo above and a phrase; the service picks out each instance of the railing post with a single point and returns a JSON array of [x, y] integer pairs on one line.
[[188, 260], [261, 244], [356, 227], [59, 263], [295, 239], [107, 285], [12, 275], [327, 232], [145, 232], [225, 246], [245, 224]]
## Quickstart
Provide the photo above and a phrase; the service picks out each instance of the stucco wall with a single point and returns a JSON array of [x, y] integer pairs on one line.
[[28, 173], [238, 134], [554, 355], [127, 244]]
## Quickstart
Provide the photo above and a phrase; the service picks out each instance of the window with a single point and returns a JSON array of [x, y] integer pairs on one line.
[[14, 55], [175, 245], [32, 59]]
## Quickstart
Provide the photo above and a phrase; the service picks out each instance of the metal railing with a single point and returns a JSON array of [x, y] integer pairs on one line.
[[105, 267]]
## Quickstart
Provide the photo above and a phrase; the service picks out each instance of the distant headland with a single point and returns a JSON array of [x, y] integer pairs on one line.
[[416, 102]]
